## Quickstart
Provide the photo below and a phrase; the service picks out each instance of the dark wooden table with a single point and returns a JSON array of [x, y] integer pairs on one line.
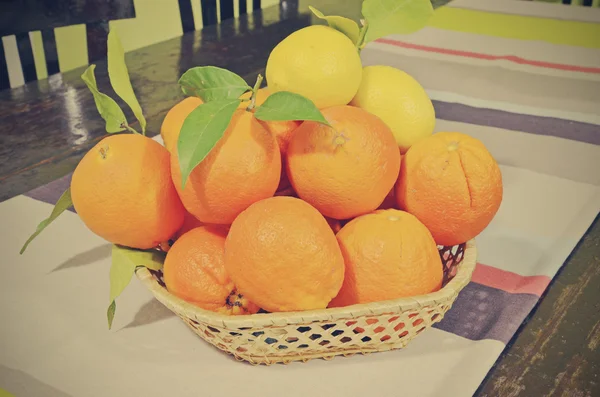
[[47, 126]]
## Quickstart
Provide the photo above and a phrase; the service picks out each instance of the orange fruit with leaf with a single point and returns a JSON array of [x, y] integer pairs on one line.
[[452, 184], [243, 167], [194, 271], [173, 121], [282, 130], [346, 169], [388, 254], [123, 192], [282, 254]]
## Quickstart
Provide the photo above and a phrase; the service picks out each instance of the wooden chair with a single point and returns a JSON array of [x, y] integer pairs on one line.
[[29, 42], [214, 11], [29, 25], [584, 3]]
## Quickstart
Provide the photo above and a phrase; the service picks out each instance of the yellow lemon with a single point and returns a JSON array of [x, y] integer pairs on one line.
[[317, 62], [399, 100]]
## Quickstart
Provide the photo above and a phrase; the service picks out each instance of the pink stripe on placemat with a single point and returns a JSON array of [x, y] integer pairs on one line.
[[509, 281], [489, 57]]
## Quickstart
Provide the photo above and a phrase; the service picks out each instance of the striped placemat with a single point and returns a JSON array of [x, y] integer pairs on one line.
[[524, 77]]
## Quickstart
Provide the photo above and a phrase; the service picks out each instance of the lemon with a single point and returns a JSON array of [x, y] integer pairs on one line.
[[399, 100], [317, 62]]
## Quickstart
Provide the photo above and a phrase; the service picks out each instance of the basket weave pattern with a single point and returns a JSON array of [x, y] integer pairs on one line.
[[268, 338]]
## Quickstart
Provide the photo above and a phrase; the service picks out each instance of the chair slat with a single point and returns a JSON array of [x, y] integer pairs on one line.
[[209, 12], [96, 36], [4, 81], [49, 41], [187, 16], [243, 7], [26, 56], [226, 9]]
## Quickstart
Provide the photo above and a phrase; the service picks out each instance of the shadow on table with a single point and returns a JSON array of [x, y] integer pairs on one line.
[[20, 383], [86, 258], [151, 312]]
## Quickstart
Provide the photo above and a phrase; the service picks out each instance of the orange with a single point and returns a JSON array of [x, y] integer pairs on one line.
[[347, 170], [282, 255], [388, 254], [173, 121], [451, 182], [194, 271], [242, 168], [122, 191]]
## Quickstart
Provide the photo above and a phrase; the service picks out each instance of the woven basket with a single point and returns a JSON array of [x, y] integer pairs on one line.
[[269, 338]]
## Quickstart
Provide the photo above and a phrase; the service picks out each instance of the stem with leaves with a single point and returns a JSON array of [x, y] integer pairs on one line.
[[360, 44], [133, 130], [259, 81]]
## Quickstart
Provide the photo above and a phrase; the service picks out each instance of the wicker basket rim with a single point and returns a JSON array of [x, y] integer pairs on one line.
[[447, 293]]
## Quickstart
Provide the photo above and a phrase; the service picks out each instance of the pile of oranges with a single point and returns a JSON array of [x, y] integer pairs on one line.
[[298, 215], [288, 216]]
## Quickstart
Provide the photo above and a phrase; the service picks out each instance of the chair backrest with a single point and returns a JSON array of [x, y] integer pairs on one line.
[[29, 43], [41, 38], [584, 3]]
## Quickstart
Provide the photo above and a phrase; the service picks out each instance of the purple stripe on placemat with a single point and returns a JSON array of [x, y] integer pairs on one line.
[[540, 125], [51, 192], [482, 312]]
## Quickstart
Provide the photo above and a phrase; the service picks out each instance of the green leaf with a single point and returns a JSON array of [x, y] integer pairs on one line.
[[110, 313], [107, 107], [212, 83], [124, 262], [201, 131], [385, 17], [284, 106], [63, 203], [344, 25], [119, 77]]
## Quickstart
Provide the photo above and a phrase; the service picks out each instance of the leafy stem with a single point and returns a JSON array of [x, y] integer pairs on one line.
[[360, 44], [259, 81], [126, 126]]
